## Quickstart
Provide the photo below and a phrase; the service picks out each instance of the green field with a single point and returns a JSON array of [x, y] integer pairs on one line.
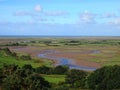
[[54, 78], [8, 59]]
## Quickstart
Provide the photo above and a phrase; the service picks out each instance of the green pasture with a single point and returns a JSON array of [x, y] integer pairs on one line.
[[54, 78], [8, 59]]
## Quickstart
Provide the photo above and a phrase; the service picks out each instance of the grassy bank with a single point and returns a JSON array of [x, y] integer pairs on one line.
[[7, 58]]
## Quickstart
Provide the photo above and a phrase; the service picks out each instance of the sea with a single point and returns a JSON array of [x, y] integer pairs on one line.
[[39, 36]]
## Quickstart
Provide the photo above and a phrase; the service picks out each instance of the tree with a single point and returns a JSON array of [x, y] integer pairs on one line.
[[24, 78], [12, 82], [1, 76], [9, 69], [105, 78], [76, 78], [61, 69], [27, 66], [44, 70], [61, 87], [39, 83]]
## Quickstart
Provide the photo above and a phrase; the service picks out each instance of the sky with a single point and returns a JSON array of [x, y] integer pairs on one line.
[[60, 17]]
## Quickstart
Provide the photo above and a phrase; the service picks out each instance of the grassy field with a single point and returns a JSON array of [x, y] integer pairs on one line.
[[8, 59], [54, 78]]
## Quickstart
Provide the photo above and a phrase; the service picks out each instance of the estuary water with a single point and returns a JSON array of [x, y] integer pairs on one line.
[[49, 54]]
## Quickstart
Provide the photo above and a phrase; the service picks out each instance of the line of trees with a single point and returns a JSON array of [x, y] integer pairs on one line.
[[13, 77], [52, 70]]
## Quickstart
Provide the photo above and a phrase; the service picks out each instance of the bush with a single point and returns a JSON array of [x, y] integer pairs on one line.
[[61, 69], [17, 78], [105, 78], [76, 78], [25, 57], [44, 70]]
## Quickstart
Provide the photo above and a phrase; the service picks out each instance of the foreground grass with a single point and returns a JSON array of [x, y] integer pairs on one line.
[[54, 78], [11, 60]]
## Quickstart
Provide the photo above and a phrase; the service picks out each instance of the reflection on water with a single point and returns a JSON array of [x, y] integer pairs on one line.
[[66, 61]]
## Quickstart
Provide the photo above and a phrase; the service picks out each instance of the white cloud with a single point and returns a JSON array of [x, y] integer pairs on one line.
[[39, 18], [116, 21], [109, 15], [42, 16], [56, 13], [87, 17], [35, 17], [22, 13], [38, 8]]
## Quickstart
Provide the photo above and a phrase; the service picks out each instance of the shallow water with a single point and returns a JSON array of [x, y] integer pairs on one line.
[[65, 61]]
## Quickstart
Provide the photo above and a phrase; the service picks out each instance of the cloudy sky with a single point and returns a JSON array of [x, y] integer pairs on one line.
[[60, 17]]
